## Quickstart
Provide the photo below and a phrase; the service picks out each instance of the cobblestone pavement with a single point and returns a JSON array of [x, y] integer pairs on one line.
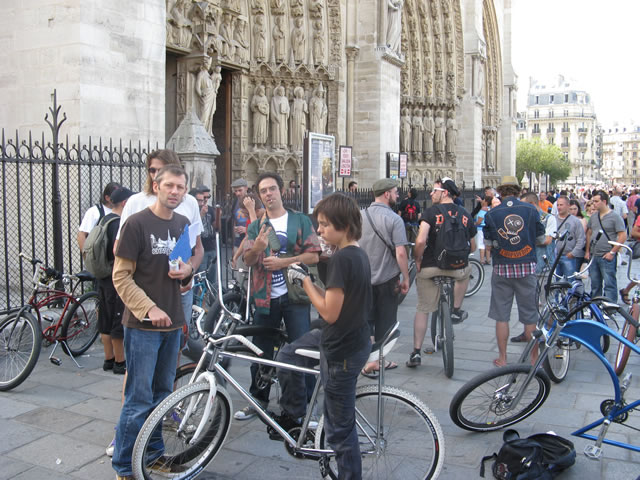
[[57, 424]]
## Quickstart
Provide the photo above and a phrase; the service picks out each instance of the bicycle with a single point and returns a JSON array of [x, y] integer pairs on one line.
[[441, 325], [504, 398], [476, 277], [192, 423], [68, 320], [629, 331]]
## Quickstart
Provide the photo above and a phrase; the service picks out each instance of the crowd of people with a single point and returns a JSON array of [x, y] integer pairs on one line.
[[362, 260]]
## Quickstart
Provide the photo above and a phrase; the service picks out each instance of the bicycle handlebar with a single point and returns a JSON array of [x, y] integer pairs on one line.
[[630, 251]]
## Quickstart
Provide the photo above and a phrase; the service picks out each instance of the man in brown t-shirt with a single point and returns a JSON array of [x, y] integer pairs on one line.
[[153, 314]]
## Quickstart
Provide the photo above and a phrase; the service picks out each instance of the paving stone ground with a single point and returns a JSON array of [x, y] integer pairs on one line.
[[57, 424]]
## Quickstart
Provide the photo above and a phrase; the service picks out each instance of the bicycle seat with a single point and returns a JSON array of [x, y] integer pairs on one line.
[[375, 348], [559, 285], [306, 352], [85, 276]]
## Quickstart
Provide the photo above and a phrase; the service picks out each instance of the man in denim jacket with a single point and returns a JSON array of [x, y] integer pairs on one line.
[[511, 232]]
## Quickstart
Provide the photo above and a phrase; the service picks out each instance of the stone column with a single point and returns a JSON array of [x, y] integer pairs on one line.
[[507, 159]]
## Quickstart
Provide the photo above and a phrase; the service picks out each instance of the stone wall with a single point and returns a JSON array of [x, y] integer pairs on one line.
[[106, 60]]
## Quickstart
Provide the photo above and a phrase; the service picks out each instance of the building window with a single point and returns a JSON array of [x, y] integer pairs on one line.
[[566, 98], [537, 99], [536, 114], [550, 113], [566, 113], [550, 98], [521, 136]]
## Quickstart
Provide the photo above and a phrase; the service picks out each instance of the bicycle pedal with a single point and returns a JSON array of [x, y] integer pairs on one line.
[[593, 452], [56, 361]]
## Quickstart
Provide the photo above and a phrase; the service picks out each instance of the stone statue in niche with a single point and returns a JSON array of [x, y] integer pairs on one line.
[[279, 119], [278, 39], [298, 40], [440, 132], [429, 131], [452, 132], [479, 83], [259, 39], [318, 111], [206, 91], [260, 109], [299, 111], [318, 42], [416, 144], [405, 131], [226, 36], [179, 31], [394, 24], [315, 8], [240, 41], [257, 6], [491, 151]]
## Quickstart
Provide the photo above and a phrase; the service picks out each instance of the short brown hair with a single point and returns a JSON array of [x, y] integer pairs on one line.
[[167, 157], [176, 170], [273, 175], [509, 190], [342, 212]]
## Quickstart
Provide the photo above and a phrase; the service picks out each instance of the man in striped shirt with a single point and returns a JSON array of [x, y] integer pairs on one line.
[[511, 231]]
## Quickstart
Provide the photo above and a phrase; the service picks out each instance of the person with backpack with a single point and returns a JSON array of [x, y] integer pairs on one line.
[[511, 231], [111, 306], [445, 240], [409, 210], [95, 213]]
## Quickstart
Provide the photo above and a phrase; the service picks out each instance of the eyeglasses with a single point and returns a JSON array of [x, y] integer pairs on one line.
[[152, 170], [207, 197], [436, 189]]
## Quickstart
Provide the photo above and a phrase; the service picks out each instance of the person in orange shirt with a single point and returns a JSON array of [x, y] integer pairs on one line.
[[545, 205]]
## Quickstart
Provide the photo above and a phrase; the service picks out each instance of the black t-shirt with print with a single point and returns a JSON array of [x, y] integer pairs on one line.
[[348, 270], [432, 216], [147, 240]]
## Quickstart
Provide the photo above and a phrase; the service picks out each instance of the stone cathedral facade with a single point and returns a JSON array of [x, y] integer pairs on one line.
[[432, 78]]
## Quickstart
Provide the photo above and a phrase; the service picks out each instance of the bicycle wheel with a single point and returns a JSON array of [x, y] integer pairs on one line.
[[434, 328], [630, 333], [20, 343], [484, 403], [445, 332], [80, 324], [556, 363], [166, 447], [476, 279], [183, 375], [411, 444]]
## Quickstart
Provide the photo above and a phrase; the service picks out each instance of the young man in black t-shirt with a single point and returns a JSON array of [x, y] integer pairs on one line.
[[344, 342]]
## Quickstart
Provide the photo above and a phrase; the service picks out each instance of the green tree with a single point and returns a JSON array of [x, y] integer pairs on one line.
[[535, 156]]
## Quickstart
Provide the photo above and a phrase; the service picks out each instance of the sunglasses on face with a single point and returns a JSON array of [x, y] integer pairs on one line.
[[152, 170]]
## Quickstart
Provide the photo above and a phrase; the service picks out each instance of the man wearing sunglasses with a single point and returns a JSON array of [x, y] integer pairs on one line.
[[202, 193]]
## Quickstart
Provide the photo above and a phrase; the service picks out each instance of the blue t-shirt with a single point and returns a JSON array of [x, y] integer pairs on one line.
[[481, 215]]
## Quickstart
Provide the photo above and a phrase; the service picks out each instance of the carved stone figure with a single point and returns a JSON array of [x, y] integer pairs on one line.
[[452, 132], [479, 84], [491, 151], [206, 91], [226, 36], [257, 6], [429, 131], [394, 24], [279, 119], [260, 109], [298, 40], [278, 39], [405, 131], [315, 8], [259, 39], [318, 42], [440, 132], [179, 31], [318, 111], [240, 41], [299, 111], [416, 144], [277, 7]]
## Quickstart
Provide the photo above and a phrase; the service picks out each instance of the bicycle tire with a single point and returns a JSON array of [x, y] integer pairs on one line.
[[446, 337], [413, 443], [183, 375], [434, 329], [556, 363], [81, 330], [494, 410], [178, 459], [476, 278], [20, 344], [630, 333]]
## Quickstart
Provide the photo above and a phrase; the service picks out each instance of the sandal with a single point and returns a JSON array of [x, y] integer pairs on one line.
[[625, 296]]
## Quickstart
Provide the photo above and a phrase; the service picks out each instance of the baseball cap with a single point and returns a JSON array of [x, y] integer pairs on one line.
[[450, 186], [120, 195]]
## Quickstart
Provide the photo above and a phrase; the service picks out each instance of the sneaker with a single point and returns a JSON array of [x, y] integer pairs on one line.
[[112, 445], [108, 364], [246, 413], [414, 360], [120, 368], [286, 421], [458, 316]]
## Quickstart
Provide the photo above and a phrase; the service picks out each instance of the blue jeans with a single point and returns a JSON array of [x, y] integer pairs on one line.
[[385, 307], [296, 319], [151, 369], [603, 270], [339, 380], [566, 266], [210, 256]]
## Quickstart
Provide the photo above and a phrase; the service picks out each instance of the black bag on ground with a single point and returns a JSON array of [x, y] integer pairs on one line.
[[541, 456]]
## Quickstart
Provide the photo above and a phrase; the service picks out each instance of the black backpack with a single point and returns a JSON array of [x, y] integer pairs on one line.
[[541, 457], [452, 246]]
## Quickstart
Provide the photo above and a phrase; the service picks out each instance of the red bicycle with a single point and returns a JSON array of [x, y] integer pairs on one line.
[[53, 315]]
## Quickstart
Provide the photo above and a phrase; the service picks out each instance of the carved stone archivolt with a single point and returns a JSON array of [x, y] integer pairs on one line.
[[432, 84], [489, 76], [263, 44]]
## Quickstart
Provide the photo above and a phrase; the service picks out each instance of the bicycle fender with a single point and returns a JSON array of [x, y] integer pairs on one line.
[[213, 389]]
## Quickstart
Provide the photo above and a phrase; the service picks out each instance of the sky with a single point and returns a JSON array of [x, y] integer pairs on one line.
[[591, 41]]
